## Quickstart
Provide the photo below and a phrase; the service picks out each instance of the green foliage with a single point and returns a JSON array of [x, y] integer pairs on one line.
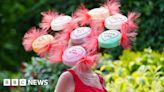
[[42, 70], [134, 72]]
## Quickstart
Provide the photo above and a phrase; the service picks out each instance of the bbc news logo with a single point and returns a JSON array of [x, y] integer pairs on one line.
[[23, 82]]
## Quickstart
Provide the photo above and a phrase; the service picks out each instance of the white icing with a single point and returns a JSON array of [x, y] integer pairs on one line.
[[115, 21], [99, 13], [79, 34], [60, 22]]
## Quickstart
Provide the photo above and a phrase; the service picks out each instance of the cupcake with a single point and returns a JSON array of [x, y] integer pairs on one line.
[[72, 55], [41, 42], [78, 35], [109, 39], [114, 22], [60, 22]]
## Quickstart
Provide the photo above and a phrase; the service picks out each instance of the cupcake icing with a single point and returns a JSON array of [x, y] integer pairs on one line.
[[41, 42], [78, 35], [115, 21], [72, 55], [60, 22], [98, 13], [109, 39]]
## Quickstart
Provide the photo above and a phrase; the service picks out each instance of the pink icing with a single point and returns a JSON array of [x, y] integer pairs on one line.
[[72, 55], [80, 33]]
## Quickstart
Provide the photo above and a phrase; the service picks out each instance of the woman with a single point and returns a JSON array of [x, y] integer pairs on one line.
[[80, 78]]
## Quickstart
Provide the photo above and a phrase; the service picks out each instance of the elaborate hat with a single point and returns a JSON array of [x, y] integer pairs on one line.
[[78, 38]]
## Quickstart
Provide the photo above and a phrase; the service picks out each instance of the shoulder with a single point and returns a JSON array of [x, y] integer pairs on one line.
[[66, 76], [65, 83]]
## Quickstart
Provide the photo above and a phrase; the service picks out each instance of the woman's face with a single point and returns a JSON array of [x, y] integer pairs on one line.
[[88, 65]]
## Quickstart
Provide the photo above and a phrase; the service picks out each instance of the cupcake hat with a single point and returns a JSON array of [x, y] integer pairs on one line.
[[78, 38]]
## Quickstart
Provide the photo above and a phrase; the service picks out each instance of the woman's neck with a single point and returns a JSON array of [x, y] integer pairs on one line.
[[83, 69]]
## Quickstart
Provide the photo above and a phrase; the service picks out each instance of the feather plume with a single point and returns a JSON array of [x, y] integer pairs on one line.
[[88, 60], [55, 53], [30, 36], [58, 46], [71, 26], [128, 30], [91, 45], [82, 15], [47, 18], [113, 6], [97, 26]]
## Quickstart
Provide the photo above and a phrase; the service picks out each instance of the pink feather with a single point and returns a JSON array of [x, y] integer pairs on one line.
[[113, 6], [58, 46], [88, 60], [82, 15], [97, 26], [55, 53], [128, 30], [62, 37], [71, 26], [30, 36], [47, 19], [91, 45]]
